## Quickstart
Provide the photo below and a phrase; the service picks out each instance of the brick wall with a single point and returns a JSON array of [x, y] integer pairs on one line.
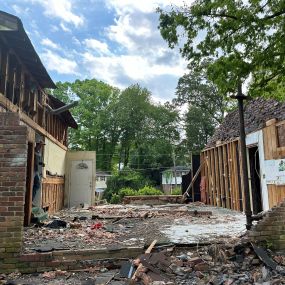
[[271, 229], [13, 159]]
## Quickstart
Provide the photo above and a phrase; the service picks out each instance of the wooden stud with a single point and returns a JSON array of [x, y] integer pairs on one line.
[[212, 170], [221, 172], [226, 175], [6, 73], [230, 168]]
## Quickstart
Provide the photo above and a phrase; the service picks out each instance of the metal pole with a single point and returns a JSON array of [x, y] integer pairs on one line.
[[240, 97]]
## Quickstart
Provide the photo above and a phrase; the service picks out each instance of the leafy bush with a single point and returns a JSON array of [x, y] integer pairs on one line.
[[176, 191], [124, 179], [115, 199], [127, 192], [148, 190]]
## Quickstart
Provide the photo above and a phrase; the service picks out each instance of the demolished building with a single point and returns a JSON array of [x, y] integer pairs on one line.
[[36, 168], [221, 159]]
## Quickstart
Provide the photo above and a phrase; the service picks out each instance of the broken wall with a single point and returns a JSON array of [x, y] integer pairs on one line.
[[271, 230], [13, 160]]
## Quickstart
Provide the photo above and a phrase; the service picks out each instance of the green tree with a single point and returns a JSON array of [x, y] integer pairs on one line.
[[199, 127], [96, 115], [241, 39], [196, 90], [134, 105]]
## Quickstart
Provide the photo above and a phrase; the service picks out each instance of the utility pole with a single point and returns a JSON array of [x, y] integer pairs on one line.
[[240, 98]]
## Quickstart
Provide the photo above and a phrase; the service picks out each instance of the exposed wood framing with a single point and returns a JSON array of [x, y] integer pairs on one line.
[[223, 182], [26, 119]]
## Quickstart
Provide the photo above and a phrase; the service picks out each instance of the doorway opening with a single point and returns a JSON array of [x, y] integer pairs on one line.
[[255, 181], [29, 184]]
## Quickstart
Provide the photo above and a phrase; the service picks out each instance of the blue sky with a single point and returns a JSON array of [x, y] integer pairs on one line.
[[116, 41]]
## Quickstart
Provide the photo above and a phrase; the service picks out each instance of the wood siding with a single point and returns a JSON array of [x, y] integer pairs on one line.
[[53, 194], [273, 139]]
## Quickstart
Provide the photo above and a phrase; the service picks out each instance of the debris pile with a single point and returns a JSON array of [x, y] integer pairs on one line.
[[128, 225], [213, 265], [234, 263]]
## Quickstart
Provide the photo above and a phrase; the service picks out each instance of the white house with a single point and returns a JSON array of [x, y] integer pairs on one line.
[[169, 182]]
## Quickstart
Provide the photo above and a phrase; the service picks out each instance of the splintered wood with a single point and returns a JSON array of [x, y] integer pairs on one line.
[[149, 249]]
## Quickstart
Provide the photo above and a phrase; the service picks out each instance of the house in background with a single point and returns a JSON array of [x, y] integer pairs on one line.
[[23, 81], [169, 182], [265, 141], [101, 183]]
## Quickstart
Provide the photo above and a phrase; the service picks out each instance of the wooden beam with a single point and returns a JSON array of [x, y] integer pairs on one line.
[[230, 175], [217, 176], [213, 177], [222, 177], [193, 181], [226, 176], [29, 185], [6, 72], [5, 102], [149, 249], [235, 177]]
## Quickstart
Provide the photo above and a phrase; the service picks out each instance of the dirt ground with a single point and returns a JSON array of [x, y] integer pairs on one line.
[[196, 245], [126, 225]]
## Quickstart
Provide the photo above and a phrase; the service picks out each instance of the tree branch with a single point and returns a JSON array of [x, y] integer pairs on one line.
[[274, 15], [222, 15]]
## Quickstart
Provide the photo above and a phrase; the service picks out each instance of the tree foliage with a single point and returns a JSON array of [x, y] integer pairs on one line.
[[199, 127], [238, 38], [196, 90], [125, 179], [123, 127]]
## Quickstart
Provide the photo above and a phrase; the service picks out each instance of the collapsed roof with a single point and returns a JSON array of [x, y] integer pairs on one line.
[[13, 33], [12, 30], [256, 113]]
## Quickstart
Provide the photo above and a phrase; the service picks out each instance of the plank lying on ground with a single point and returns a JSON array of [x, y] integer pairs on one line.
[[264, 257], [186, 193], [149, 249]]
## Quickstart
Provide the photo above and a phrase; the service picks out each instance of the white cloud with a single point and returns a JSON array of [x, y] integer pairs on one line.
[[96, 45], [19, 10], [141, 55], [61, 9], [54, 62], [49, 43], [127, 6], [126, 69], [64, 28]]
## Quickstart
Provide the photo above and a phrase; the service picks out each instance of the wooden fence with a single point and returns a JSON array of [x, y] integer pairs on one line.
[[222, 173], [53, 194]]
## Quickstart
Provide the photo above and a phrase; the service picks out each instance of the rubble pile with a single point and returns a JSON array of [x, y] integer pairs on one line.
[[104, 226], [215, 264], [234, 263]]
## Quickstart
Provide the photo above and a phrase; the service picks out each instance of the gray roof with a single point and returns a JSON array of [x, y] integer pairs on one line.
[[178, 168], [256, 113]]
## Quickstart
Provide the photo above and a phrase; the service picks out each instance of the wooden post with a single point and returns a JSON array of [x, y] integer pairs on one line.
[[6, 74]]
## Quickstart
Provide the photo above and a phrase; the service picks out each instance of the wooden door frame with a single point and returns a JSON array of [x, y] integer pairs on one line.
[[29, 184]]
